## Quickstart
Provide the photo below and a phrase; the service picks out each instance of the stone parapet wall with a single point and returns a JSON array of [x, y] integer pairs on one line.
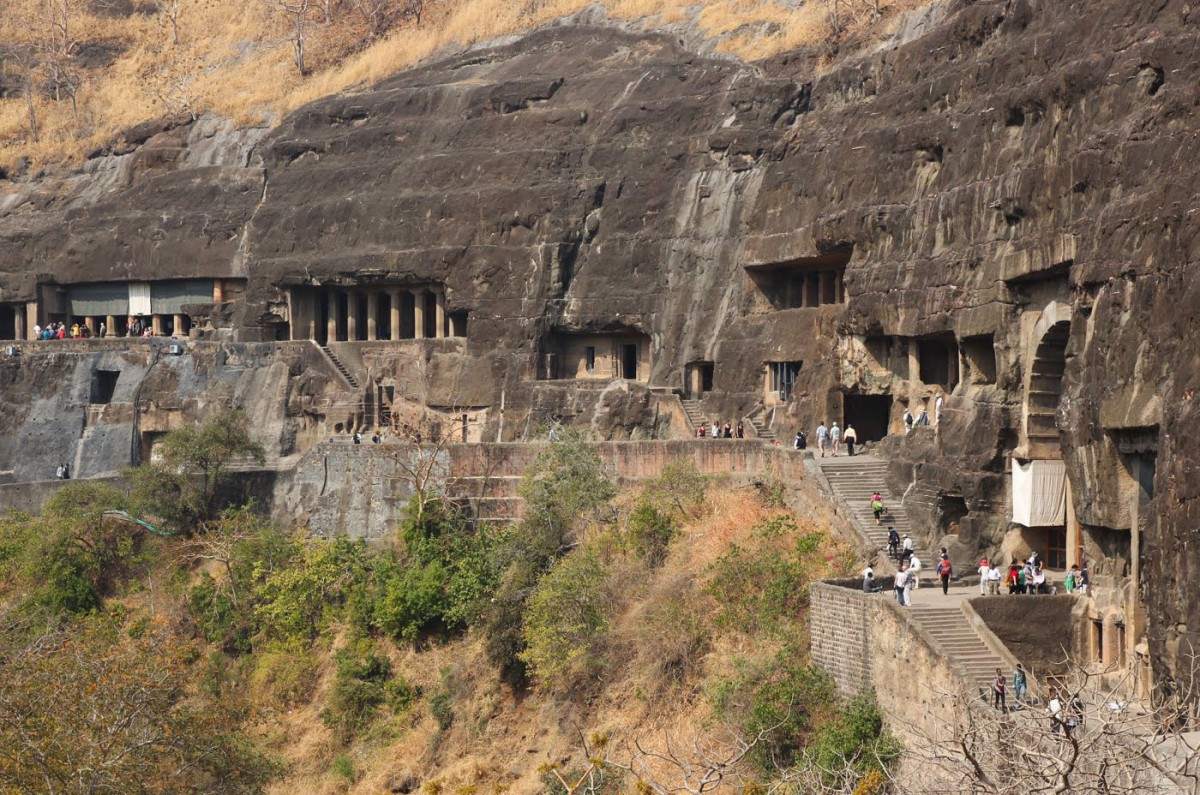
[[639, 460], [866, 641], [841, 634]]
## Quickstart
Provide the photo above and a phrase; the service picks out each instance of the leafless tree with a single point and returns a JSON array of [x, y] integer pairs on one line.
[[295, 13], [168, 10], [1083, 736]]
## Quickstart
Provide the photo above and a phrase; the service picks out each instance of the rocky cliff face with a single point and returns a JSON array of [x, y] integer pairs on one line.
[[998, 206]]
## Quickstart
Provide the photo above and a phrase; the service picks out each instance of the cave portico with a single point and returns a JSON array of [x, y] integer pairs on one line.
[[372, 313]]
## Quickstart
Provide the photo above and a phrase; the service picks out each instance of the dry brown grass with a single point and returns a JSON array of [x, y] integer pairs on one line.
[[234, 59]]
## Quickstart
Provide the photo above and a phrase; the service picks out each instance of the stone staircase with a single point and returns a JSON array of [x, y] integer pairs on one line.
[[340, 367], [953, 633], [762, 428], [491, 499], [695, 417], [853, 480]]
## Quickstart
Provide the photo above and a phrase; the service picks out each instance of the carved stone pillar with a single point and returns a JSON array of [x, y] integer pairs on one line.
[[331, 313], [419, 314], [394, 318], [439, 298], [372, 316], [352, 315]]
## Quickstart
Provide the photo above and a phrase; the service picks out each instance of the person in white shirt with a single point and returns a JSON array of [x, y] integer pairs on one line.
[[984, 571], [914, 570], [1055, 709], [994, 580], [901, 586]]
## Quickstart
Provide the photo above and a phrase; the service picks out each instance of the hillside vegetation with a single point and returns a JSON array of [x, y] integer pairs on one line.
[[75, 73], [608, 637]]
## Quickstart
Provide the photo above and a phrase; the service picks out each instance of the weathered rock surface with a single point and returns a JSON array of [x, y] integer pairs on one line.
[[1012, 179]]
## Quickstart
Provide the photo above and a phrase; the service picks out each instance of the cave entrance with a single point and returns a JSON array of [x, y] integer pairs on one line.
[[698, 378], [869, 414], [1045, 391], [8, 323], [104, 385], [629, 361]]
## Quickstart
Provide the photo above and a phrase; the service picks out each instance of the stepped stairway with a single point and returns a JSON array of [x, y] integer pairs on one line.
[[761, 429], [956, 638], [853, 480], [340, 367], [492, 499], [695, 417]]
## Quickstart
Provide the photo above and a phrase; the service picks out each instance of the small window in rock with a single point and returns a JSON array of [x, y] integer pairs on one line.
[[980, 353], [104, 385], [458, 324]]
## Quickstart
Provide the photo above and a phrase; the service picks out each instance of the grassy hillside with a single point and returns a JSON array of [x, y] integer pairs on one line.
[[602, 628], [74, 73]]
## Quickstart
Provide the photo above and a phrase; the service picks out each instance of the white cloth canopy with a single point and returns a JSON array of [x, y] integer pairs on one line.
[[1039, 493]]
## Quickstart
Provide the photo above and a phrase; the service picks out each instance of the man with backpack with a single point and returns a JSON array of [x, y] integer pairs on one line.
[[944, 569], [893, 543]]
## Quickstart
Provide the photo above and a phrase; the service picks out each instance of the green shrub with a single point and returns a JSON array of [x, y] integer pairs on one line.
[[441, 706], [650, 532], [362, 684], [762, 587], [777, 700], [343, 767], [286, 677], [852, 744], [439, 580], [679, 492], [296, 602], [567, 482], [71, 555], [565, 617]]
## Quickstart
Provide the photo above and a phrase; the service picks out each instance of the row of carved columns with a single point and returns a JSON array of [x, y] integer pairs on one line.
[[343, 325]]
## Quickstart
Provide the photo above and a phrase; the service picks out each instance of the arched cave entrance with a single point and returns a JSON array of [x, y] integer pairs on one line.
[[1045, 391]]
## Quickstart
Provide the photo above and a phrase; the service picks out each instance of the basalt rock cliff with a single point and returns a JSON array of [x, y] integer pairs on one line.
[[997, 205]]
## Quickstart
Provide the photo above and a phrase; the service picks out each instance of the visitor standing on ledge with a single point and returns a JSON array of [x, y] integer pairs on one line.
[[741, 431], [851, 438], [984, 571]]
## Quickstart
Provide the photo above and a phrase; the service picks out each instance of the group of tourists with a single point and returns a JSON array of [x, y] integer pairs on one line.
[[1028, 577], [715, 431], [60, 331], [1066, 712], [830, 439], [136, 326], [922, 417], [1000, 688]]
